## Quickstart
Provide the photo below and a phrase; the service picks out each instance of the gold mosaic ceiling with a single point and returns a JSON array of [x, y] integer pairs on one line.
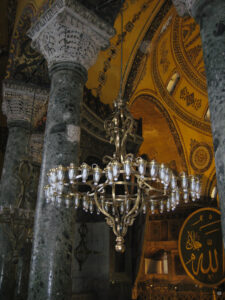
[[164, 82]]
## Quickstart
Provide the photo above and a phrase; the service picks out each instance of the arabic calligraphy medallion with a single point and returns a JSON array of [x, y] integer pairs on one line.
[[201, 247]]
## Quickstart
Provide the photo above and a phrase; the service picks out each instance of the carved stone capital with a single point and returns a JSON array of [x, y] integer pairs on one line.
[[23, 102], [69, 32], [36, 147], [185, 7]]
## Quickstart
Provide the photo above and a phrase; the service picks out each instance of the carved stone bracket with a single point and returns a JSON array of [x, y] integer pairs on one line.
[[23, 102], [69, 32]]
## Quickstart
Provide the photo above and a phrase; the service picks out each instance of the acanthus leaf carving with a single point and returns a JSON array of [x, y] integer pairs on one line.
[[68, 33]]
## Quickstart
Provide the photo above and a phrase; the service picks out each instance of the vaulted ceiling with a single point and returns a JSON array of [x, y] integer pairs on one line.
[[163, 76]]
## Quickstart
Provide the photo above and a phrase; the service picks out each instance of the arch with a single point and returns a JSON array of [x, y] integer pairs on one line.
[[164, 124]]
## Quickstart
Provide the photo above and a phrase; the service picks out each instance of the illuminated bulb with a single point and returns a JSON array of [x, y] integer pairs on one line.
[[60, 173], [168, 206], [161, 207], [113, 210], [152, 208], [184, 181], [106, 207], [162, 172], [166, 177], [173, 199], [52, 177], [91, 207], [144, 209], [67, 202], [47, 194], [185, 196], [84, 172], [85, 203], [173, 182], [127, 206], [192, 184], [109, 174], [127, 168], [60, 187], [193, 196], [58, 201], [96, 174], [51, 192], [98, 211], [116, 170], [177, 193], [71, 173], [121, 208], [141, 166], [193, 187], [198, 187], [76, 201], [153, 169]]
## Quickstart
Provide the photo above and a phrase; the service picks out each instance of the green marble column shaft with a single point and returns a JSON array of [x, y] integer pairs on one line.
[[70, 37], [17, 106], [210, 14], [50, 276], [211, 17], [10, 187]]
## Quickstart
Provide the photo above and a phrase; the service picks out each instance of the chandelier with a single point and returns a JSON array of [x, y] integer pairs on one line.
[[126, 186]]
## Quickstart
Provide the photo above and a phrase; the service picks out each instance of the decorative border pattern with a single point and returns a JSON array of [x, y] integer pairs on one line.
[[169, 100], [113, 50], [180, 57], [140, 53]]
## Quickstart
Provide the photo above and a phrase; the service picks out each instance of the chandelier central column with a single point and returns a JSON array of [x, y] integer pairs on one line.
[[70, 37]]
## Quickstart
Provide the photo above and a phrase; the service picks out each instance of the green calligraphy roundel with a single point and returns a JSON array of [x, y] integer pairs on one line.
[[201, 247]]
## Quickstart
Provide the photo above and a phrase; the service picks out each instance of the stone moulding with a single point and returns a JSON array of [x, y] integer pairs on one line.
[[69, 32]]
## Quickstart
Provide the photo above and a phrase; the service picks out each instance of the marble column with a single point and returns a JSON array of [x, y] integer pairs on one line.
[[211, 17], [30, 183], [18, 105], [69, 36]]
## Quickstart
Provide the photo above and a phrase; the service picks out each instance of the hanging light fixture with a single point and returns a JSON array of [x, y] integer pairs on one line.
[[127, 185]]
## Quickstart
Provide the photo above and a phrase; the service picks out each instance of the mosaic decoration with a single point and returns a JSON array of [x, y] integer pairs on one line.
[[114, 49], [190, 98], [129, 88], [201, 156], [188, 55], [193, 75], [24, 63]]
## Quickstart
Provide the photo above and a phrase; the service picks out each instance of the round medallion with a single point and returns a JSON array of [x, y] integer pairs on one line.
[[201, 247], [201, 157]]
